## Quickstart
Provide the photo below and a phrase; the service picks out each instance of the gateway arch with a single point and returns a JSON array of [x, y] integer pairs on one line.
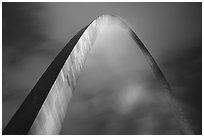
[[44, 109]]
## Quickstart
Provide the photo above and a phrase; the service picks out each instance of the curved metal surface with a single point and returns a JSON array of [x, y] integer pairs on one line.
[[37, 115]]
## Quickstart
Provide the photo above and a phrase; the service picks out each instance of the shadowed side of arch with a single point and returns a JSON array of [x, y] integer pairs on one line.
[[44, 109]]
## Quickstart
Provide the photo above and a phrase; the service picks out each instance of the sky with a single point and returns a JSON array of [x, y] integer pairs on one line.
[[116, 89]]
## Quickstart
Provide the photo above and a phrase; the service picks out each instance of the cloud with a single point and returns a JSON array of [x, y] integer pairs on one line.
[[185, 77]]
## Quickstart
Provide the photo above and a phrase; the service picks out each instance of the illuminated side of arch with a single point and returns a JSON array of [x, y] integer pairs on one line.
[[44, 109]]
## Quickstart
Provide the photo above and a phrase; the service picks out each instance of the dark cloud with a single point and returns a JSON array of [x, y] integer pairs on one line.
[[21, 26], [186, 69], [23, 31]]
